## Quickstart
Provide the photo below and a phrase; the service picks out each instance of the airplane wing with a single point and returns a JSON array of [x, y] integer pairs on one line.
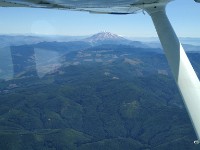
[[184, 74], [93, 6]]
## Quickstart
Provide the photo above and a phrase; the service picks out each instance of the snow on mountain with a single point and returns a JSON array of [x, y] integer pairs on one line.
[[105, 37], [114, 39]]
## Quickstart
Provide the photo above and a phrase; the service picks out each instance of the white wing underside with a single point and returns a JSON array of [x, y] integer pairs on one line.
[[93, 6]]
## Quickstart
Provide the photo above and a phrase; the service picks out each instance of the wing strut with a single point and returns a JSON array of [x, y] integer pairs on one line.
[[183, 72]]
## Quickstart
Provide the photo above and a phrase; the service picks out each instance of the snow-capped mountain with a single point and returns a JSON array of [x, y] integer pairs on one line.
[[106, 38], [102, 36], [110, 38]]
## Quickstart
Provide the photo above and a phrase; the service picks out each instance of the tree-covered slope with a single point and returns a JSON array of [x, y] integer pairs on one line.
[[103, 106]]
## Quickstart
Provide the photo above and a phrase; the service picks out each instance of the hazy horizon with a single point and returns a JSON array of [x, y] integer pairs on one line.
[[86, 35]]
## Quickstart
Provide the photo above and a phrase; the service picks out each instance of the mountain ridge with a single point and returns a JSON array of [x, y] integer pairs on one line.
[[101, 36], [110, 38]]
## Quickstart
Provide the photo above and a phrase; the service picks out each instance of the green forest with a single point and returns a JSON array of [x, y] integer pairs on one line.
[[81, 108]]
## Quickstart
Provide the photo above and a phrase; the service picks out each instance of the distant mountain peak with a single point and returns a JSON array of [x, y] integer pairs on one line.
[[104, 36]]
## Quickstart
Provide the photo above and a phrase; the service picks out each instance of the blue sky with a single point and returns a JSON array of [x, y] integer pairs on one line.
[[183, 14]]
